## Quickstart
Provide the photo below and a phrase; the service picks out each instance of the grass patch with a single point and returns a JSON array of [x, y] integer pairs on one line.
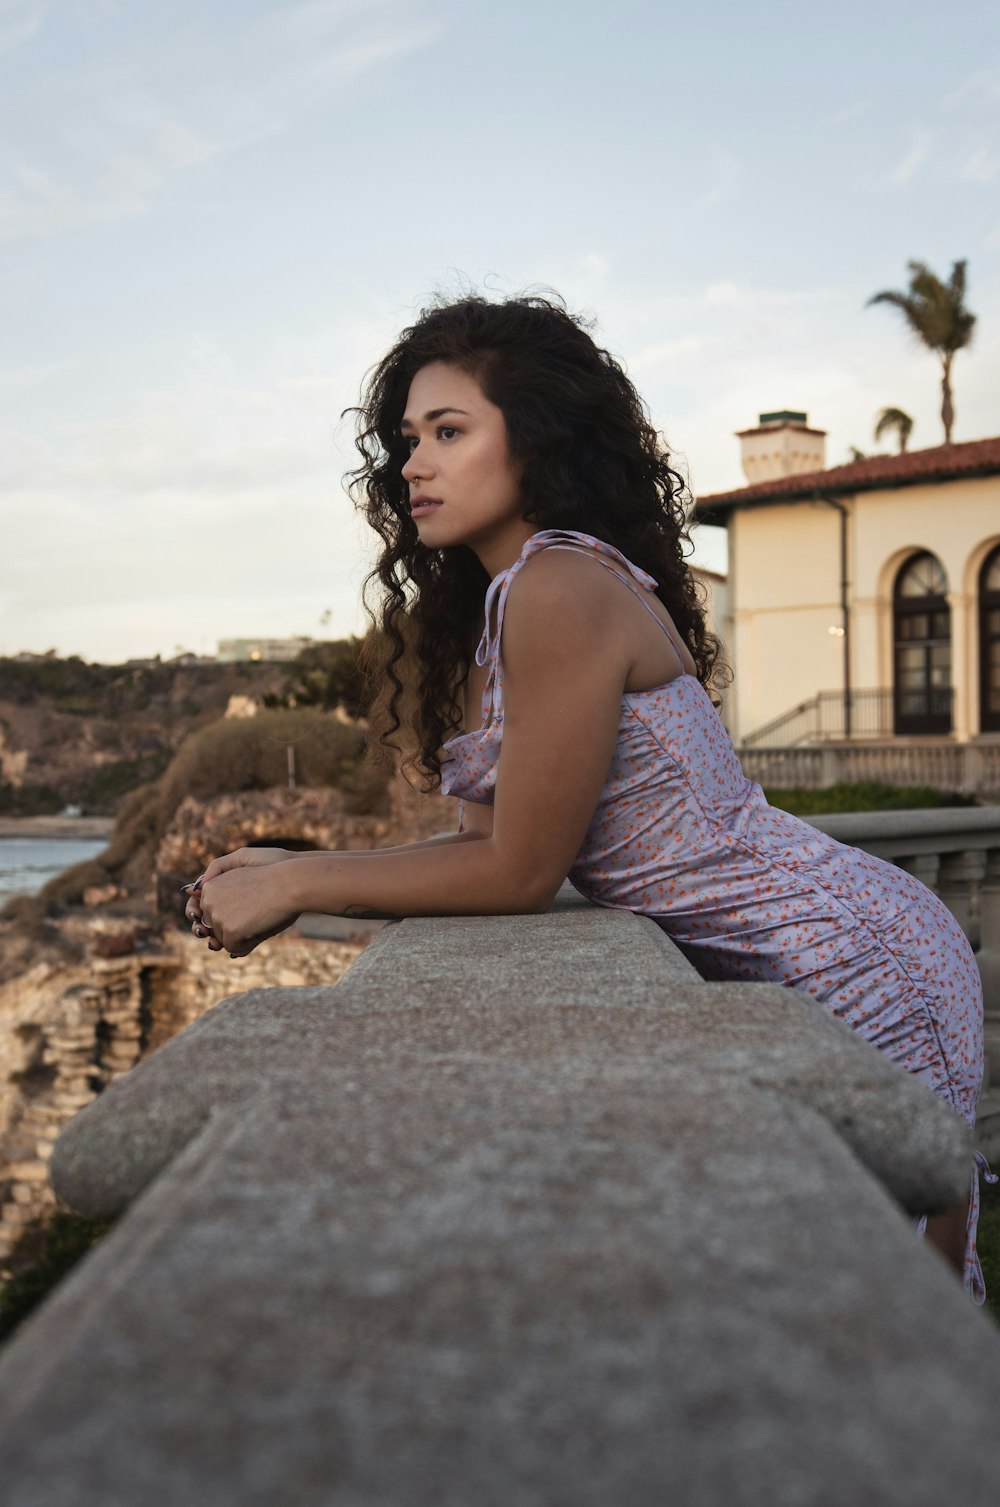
[[988, 1244], [46, 1252], [863, 795]]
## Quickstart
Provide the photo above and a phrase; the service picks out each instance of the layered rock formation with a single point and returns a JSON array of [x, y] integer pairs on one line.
[[68, 1030], [120, 976]]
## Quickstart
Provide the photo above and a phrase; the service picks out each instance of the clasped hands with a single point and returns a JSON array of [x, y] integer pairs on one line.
[[241, 900]]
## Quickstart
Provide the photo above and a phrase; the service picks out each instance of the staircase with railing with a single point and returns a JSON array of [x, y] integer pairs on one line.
[[870, 713]]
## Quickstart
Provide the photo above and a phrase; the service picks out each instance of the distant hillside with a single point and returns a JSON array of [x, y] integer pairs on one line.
[[80, 734]]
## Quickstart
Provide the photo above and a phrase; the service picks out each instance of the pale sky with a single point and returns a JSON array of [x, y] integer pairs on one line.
[[216, 214]]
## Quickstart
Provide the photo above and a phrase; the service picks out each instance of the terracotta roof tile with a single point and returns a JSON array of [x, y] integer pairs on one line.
[[942, 463]]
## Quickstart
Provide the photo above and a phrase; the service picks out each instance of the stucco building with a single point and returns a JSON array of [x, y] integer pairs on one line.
[[863, 600], [268, 650]]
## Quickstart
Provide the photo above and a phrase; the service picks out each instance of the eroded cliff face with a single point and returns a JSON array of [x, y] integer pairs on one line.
[[87, 994], [86, 734], [305, 818], [68, 1029]]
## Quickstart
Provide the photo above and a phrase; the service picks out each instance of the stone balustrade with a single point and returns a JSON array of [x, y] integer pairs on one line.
[[520, 1211], [972, 768], [956, 852]]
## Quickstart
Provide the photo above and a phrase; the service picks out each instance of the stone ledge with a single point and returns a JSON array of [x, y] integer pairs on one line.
[[935, 830], [520, 1211], [578, 982]]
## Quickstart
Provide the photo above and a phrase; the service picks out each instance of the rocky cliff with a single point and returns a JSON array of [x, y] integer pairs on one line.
[[73, 733], [89, 991]]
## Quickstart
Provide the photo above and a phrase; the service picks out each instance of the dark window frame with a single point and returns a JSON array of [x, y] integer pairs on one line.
[[989, 601], [926, 710]]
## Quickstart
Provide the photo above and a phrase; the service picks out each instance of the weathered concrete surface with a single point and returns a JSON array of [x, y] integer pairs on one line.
[[462, 985], [546, 1247], [935, 829]]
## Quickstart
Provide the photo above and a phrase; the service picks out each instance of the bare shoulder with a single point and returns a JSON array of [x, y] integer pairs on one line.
[[554, 580], [564, 605], [568, 602]]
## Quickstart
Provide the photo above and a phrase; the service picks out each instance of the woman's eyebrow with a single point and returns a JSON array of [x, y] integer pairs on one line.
[[431, 415]]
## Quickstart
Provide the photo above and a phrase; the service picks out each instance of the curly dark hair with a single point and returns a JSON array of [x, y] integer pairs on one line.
[[590, 460]]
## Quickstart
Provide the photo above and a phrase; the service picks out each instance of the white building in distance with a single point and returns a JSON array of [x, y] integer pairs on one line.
[[266, 650]]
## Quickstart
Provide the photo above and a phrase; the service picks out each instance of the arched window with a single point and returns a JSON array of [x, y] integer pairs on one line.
[[921, 648], [989, 644]]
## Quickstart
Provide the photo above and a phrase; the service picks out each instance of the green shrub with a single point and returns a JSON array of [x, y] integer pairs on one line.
[[988, 1245], [325, 675], [67, 887], [43, 1255], [102, 790], [863, 795], [227, 756], [251, 753], [29, 800]]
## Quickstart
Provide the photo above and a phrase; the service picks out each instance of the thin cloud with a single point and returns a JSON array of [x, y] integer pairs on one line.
[[981, 167], [18, 379], [979, 92], [664, 352], [725, 295], [595, 266], [163, 97], [848, 113], [26, 18], [914, 159], [726, 173]]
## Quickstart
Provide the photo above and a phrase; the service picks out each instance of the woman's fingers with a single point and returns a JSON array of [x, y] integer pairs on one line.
[[193, 913], [242, 858], [192, 905], [240, 908]]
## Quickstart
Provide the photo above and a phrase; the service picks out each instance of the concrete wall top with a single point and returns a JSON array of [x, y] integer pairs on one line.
[[519, 1212]]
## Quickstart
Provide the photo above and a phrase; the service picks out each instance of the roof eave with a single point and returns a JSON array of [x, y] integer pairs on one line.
[[817, 490]]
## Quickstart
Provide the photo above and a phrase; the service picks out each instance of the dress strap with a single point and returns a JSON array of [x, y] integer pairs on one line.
[[640, 598], [499, 589]]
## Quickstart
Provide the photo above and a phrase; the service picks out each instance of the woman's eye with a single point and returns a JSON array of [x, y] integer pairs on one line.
[[443, 431]]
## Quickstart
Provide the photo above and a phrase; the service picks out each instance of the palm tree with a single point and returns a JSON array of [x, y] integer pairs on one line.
[[894, 418], [937, 315]]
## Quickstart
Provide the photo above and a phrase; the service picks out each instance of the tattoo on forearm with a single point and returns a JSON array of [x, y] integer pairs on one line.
[[365, 913]]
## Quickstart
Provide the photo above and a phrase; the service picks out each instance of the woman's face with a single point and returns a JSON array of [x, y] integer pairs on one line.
[[459, 461]]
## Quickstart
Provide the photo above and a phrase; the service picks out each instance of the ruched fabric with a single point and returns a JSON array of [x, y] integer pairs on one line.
[[747, 891]]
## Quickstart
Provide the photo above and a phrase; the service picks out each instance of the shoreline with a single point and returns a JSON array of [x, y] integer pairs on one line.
[[96, 828]]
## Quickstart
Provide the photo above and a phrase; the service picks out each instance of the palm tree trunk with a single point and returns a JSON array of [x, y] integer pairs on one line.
[[947, 407]]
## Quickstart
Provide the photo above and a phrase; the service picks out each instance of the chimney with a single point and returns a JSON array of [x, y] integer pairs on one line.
[[781, 445]]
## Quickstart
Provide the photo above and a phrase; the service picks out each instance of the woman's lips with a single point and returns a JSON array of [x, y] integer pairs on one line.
[[424, 507]]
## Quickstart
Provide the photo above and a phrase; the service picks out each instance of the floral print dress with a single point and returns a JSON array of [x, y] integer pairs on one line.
[[747, 891]]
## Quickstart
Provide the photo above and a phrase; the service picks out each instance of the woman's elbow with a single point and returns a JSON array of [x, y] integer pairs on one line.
[[524, 887], [535, 896]]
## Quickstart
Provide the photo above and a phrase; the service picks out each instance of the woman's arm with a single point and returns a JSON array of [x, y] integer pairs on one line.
[[561, 717], [245, 858]]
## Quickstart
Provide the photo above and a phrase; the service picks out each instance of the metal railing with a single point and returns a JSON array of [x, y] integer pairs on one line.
[[877, 712]]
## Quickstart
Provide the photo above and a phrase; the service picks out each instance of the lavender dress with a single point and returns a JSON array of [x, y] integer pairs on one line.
[[745, 890]]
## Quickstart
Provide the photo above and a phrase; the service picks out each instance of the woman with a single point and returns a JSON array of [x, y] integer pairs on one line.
[[506, 457]]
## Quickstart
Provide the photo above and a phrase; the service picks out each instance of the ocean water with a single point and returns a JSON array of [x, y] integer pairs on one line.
[[26, 863]]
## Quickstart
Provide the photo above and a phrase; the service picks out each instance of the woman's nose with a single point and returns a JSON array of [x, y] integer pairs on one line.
[[415, 465]]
